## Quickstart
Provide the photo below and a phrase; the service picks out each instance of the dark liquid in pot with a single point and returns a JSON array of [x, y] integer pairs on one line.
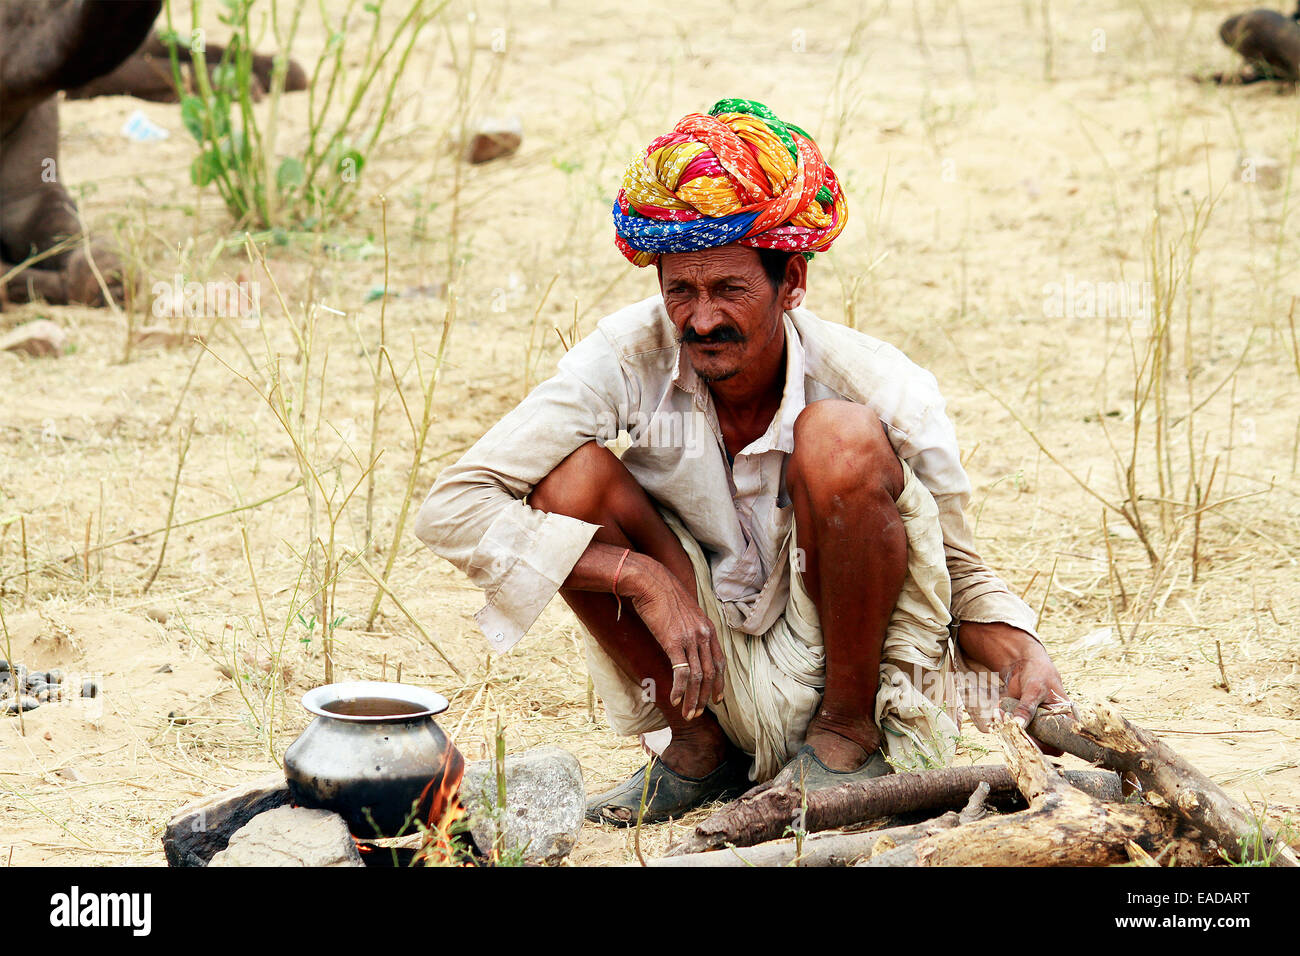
[[374, 707]]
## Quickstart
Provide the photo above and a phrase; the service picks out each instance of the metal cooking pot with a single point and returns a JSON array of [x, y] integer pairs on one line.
[[375, 756]]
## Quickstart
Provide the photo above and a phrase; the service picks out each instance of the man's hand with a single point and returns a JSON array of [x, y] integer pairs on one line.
[[682, 629], [1023, 664]]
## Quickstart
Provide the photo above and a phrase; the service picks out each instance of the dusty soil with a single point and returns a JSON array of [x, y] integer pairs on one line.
[[986, 155]]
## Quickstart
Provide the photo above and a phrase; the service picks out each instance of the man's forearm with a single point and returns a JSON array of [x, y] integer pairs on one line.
[[603, 568], [603, 565], [996, 645]]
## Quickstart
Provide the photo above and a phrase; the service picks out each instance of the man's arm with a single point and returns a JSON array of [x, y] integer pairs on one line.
[[475, 515], [995, 627], [669, 612], [1027, 672]]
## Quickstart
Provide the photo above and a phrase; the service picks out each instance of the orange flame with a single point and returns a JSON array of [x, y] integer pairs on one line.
[[444, 810]]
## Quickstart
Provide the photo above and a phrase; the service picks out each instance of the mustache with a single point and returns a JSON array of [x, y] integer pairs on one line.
[[718, 337]]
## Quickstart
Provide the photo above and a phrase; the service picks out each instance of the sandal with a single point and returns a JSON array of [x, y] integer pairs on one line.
[[669, 794], [817, 776]]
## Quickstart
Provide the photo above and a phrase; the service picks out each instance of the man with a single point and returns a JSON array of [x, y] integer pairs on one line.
[[782, 545]]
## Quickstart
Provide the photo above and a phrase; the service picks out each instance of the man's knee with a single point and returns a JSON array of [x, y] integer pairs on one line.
[[841, 448], [584, 485]]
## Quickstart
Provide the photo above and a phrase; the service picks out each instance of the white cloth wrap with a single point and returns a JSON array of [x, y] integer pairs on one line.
[[774, 681]]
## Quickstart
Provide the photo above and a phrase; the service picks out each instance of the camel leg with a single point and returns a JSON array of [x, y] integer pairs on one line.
[[31, 284], [36, 214]]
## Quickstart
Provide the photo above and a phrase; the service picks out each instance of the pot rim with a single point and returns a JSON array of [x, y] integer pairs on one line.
[[317, 698]]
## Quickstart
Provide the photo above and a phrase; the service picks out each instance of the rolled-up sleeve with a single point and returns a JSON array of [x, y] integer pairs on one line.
[[475, 515]]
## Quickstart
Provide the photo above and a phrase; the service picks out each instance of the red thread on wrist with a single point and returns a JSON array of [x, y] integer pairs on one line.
[[617, 571]]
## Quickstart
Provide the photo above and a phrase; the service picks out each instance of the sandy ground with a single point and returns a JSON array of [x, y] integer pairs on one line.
[[986, 155]]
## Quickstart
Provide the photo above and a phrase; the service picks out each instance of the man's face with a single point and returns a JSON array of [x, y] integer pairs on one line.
[[723, 307]]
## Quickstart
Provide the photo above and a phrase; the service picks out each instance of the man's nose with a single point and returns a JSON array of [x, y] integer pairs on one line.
[[707, 317]]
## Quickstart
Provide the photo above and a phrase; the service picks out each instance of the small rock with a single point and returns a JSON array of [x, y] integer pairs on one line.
[[39, 339], [43, 695], [163, 337], [165, 669], [545, 803], [202, 828], [89, 688], [4, 665], [291, 836], [176, 717], [1261, 170], [47, 735], [494, 139], [21, 704], [156, 614], [54, 675]]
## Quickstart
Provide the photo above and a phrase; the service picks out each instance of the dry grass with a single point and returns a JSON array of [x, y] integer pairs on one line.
[[974, 180]]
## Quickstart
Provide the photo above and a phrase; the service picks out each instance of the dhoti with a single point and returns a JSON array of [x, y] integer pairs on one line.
[[774, 680]]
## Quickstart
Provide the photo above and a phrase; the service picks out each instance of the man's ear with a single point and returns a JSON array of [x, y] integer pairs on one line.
[[796, 282]]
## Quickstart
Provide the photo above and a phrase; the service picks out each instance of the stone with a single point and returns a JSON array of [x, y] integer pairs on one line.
[[20, 704], [39, 339], [545, 803], [291, 836], [1261, 170], [494, 139], [161, 336], [202, 828], [89, 688]]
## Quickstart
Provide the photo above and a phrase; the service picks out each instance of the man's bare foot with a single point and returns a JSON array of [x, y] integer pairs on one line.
[[697, 751], [840, 744]]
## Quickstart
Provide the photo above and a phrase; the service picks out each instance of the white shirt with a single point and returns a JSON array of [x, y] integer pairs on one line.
[[629, 376]]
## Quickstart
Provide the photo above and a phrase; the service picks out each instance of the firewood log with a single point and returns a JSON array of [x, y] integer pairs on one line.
[[1100, 734], [765, 813], [1062, 827]]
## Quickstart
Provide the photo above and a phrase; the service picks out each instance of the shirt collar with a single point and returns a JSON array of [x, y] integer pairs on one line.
[[780, 434]]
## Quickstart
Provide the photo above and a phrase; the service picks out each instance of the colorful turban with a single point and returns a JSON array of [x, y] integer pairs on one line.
[[739, 175]]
